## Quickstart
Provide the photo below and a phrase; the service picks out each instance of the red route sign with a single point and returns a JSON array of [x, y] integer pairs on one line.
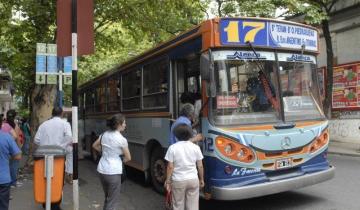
[[85, 27]]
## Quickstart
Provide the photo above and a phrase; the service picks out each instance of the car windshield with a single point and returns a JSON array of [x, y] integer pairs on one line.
[[247, 89]]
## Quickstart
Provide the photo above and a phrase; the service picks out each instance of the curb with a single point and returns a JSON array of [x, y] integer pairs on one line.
[[351, 154]]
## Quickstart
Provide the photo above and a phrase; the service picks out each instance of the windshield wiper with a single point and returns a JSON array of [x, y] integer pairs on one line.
[[265, 81]]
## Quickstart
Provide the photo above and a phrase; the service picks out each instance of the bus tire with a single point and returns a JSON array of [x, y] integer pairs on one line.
[[158, 169]]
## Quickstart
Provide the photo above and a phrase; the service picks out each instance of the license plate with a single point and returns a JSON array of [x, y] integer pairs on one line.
[[283, 163]]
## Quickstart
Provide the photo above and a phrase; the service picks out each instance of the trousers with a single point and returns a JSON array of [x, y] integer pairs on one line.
[[111, 185], [4, 196], [185, 194]]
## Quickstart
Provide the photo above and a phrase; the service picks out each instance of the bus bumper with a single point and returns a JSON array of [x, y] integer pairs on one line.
[[256, 190]]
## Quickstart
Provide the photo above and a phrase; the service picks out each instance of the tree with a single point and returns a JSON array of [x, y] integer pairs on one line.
[[319, 12], [122, 28]]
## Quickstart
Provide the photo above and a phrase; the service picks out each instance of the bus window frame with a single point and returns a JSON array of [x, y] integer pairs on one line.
[[117, 78], [97, 103], [160, 59], [129, 71]]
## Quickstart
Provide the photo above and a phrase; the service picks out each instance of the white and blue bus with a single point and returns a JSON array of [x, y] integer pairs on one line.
[[262, 118]]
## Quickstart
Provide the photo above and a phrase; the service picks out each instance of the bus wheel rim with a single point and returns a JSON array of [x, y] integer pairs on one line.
[[159, 171]]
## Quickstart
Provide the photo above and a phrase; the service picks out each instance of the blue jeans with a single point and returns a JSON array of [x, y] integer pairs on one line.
[[14, 166], [4, 196]]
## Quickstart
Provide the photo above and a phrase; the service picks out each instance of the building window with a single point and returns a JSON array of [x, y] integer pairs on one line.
[[131, 83], [155, 85], [113, 94]]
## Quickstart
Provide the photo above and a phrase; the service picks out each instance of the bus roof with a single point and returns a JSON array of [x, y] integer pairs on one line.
[[224, 32]]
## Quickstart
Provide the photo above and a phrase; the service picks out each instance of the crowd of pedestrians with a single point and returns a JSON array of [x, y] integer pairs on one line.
[[185, 174], [13, 138]]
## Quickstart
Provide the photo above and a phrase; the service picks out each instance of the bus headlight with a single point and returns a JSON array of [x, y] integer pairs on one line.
[[228, 149], [234, 150], [319, 142]]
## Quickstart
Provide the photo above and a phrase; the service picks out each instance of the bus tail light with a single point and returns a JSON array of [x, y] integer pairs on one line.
[[234, 150], [320, 141]]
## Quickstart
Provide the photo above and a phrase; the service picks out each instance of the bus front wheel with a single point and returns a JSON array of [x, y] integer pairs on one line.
[[158, 169]]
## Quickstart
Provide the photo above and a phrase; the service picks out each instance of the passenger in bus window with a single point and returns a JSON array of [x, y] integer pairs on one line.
[[110, 167], [187, 115], [182, 178]]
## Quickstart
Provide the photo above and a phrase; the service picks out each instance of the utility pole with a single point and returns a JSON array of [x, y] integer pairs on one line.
[[74, 112]]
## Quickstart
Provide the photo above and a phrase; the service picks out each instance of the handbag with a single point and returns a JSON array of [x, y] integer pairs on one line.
[[168, 201], [123, 175]]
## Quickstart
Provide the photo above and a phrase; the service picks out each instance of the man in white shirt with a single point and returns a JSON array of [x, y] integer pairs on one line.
[[55, 131]]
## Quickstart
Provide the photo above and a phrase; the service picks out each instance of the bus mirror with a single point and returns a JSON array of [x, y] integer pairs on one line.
[[205, 66], [212, 90]]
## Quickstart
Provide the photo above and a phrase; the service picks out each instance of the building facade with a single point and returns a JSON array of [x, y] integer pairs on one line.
[[6, 90]]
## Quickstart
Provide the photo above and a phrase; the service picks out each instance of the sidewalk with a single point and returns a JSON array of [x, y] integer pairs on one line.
[[91, 194], [344, 148]]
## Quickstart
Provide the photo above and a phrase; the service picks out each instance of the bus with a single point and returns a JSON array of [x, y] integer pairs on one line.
[[261, 115]]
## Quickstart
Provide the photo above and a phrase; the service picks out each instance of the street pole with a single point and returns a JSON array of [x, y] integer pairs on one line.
[[61, 93], [74, 103]]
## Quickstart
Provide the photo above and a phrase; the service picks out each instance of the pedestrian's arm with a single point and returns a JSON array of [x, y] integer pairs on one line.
[[15, 136], [169, 172], [197, 138], [127, 155], [37, 137], [17, 156], [97, 145], [200, 168], [68, 133]]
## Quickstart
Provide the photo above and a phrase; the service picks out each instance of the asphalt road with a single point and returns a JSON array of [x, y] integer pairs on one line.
[[340, 193]]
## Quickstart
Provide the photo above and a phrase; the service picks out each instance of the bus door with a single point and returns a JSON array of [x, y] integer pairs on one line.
[[187, 82]]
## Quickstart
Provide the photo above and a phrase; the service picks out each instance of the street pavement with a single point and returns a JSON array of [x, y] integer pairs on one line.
[[138, 196]]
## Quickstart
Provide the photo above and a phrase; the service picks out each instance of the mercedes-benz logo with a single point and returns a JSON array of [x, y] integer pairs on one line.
[[286, 143]]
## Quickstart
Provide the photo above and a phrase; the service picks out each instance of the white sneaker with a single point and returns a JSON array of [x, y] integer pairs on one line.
[[19, 184]]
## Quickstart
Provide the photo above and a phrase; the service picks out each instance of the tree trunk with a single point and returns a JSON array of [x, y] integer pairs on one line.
[[329, 68], [42, 102]]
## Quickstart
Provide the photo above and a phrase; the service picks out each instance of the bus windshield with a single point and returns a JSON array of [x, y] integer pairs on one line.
[[247, 89], [300, 89]]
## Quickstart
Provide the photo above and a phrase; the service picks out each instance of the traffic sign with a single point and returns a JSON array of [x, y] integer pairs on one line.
[[40, 49], [40, 79], [52, 64], [51, 49], [52, 79], [67, 79], [67, 64], [40, 63]]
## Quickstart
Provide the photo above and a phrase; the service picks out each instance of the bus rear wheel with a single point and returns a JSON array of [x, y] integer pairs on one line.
[[158, 169]]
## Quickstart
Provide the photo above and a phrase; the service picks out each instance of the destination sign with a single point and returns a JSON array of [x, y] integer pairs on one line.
[[267, 33]]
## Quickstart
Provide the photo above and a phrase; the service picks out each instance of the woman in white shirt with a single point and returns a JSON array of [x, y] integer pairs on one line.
[[112, 144], [182, 178]]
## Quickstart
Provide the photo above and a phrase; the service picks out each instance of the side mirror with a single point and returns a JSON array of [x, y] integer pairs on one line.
[[205, 66], [207, 73]]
